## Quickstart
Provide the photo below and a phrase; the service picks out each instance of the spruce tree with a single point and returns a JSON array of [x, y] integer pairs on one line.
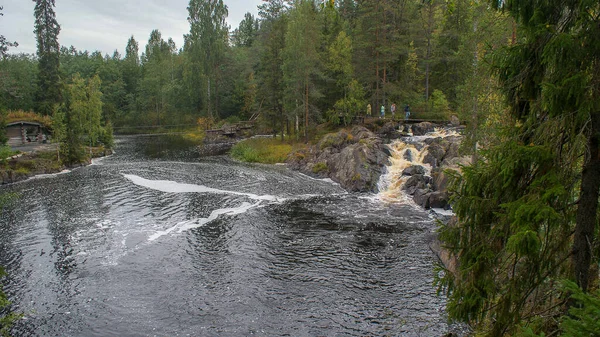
[[48, 51], [527, 211]]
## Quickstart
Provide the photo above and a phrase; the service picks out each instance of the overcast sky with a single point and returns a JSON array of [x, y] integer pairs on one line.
[[106, 25]]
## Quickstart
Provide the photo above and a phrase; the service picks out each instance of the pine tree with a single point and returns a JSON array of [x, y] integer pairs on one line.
[[48, 51], [245, 34], [274, 18], [301, 58], [131, 70], [207, 42]]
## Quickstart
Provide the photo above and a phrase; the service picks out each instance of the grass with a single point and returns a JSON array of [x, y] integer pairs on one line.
[[261, 150], [6, 152], [319, 167], [196, 136], [20, 115]]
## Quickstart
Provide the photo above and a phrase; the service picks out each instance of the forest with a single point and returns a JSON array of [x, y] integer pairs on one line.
[[298, 64], [522, 74]]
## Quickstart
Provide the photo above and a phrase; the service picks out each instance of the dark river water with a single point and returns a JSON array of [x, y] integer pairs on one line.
[[160, 240]]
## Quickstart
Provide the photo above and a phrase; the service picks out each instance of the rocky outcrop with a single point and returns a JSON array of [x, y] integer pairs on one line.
[[354, 159], [441, 155]]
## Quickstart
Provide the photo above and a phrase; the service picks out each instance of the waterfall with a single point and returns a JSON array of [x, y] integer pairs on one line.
[[410, 157]]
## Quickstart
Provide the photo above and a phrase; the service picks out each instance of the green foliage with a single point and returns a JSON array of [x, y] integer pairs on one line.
[[440, 108], [7, 320], [351, 105], [301, 61], [5, 152], [106, 137], [320, 167], [513, 234], [207, 43], [46, 30], [245, 34], [261, 150], [78, 122], [18, 74], [584, 318], [5, 199]]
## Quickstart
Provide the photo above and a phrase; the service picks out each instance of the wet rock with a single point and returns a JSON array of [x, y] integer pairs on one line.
[[435, 155], [353, 159], [439, 180], [438, 200], [423, 128], [421, 197], [408, 155], [389, 131], [416, 182], [414, 170]]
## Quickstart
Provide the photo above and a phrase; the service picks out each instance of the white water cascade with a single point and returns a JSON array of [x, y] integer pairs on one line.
[[406, 153]]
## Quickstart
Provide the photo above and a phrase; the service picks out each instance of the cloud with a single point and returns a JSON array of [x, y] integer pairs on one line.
[[107, 25]]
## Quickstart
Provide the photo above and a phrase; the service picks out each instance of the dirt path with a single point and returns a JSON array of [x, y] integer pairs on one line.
[[35, 147]]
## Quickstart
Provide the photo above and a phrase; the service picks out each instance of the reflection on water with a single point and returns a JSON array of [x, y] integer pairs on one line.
[[159, 240]]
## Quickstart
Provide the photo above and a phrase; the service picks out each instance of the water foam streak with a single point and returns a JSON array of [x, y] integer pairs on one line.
[[168, 186]]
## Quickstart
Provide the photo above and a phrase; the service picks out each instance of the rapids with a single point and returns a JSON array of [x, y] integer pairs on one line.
[[158, 240]]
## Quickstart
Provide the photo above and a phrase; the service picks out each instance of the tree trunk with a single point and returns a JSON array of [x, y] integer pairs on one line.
[[377, 58], [306, 111], [586, 218], [208, 112]]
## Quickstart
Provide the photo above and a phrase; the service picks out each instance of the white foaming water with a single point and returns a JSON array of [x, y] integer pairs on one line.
[[191, 224], [175, 187], [168, 186], [405, 152]]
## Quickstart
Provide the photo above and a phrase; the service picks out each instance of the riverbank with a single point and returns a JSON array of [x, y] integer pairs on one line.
[[23, 166]]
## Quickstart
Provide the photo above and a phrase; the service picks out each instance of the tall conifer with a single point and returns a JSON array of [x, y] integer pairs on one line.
[[48, 51]]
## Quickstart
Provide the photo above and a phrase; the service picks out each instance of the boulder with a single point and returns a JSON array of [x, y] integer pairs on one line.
[[354, 159], [439, 180], [451, 152], [454, 120], [389, 131], [360, 132], [422, 128], [416, 182], [435, 155], [358, 166], [421, 197], [413, 170], [438, 200], [408, 155]]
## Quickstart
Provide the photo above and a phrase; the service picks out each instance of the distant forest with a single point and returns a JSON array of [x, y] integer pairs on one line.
[[298, 63]]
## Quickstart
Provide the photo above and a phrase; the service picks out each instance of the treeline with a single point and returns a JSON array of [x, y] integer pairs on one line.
[[297, 64]]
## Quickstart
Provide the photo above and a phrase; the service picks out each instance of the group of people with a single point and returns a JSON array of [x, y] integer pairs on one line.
[[392, 109]]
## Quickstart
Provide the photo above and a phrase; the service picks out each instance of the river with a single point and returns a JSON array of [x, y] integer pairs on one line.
[[161, 240]]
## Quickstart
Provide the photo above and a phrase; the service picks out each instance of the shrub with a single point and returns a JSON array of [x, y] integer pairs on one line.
[[106, 136], [5, 152], [319, 167]]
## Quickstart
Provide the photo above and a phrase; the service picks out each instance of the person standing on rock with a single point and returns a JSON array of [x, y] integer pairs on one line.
[[406, 111], [382, 111], [368, 110], [393, 110]]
